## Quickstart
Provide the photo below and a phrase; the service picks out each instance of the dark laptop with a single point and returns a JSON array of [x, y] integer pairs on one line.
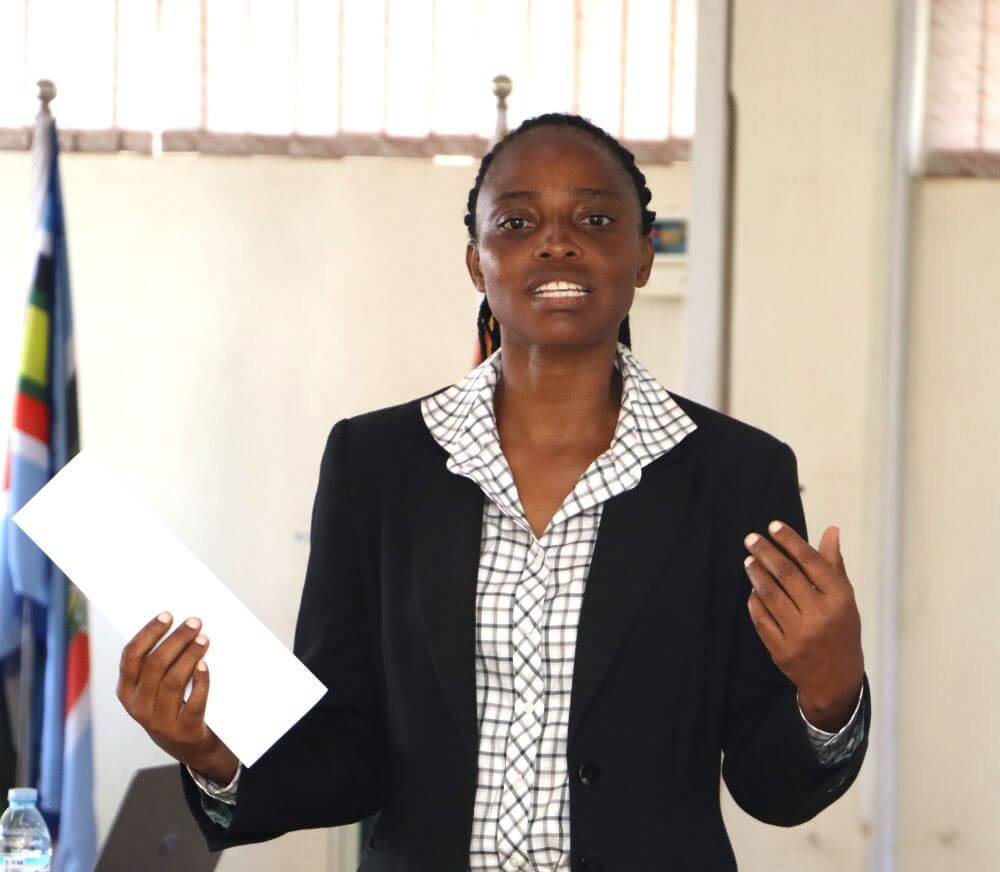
[[153, 829]]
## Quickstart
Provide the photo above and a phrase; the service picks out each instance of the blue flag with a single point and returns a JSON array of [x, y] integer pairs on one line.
[[44, 644]]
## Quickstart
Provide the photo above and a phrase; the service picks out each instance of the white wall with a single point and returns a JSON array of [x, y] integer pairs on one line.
[[812, 83], [228, 312], [949, 803]]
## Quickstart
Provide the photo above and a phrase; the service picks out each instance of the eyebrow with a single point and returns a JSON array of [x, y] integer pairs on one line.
[[533, 195]]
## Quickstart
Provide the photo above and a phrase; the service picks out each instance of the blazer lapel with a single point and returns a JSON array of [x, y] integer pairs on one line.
[[636, 533], [637, 530], [445, 513]]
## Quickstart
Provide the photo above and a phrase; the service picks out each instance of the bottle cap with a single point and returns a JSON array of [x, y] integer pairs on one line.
[[22, 794]]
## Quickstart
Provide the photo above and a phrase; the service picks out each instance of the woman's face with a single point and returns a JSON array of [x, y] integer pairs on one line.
[[557, 205]]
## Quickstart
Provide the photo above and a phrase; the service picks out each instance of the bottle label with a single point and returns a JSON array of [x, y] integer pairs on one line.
[[40, 863]]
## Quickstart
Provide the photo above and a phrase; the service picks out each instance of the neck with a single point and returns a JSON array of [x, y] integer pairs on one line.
[[557, 397]]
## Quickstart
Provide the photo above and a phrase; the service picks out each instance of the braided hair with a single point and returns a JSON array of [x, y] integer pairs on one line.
[[488, 328]]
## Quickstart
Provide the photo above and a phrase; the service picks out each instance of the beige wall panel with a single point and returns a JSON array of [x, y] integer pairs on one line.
[[949, 802], [812, 83]]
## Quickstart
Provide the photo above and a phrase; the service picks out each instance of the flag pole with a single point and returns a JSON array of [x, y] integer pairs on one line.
[[25, 683], [25, 757]]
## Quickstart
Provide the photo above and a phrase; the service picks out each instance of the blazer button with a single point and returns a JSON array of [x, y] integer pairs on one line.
[[592, 863], [588, 774]]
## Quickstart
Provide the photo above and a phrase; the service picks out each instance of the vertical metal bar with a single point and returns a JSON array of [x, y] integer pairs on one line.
[[245, 124], [340, 65], [577, 36], [295, 66], [203, 63], [622, 49], [907, 65], [709, 270], [671, 72], [984, 44], [529, 79], [26, 681], [433, 101], [26, 59], [115, 68], [156, 137], [385, 64]]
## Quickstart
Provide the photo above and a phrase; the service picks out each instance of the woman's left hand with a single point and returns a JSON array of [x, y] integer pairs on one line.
[[804, 611]]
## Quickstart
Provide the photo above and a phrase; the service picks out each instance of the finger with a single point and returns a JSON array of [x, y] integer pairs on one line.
[[156, 664], [829, 548], [764, 623], [815, 565], [192, 715], [771, 594], [170, 696], [135, 651], [784, 570]]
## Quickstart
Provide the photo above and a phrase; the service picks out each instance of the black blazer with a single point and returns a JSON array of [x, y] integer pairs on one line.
[[669, 670]]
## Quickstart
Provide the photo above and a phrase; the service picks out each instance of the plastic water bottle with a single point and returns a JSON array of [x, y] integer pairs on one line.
[[25, 844]]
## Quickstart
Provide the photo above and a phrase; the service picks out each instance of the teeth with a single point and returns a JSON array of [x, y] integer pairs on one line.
[[561, 294], [560, 286]]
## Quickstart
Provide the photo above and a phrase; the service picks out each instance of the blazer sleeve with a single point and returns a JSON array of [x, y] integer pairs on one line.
[[331, 767], [769, 765]]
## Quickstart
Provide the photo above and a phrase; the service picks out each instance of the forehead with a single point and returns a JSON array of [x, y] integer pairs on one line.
[[552, 158]]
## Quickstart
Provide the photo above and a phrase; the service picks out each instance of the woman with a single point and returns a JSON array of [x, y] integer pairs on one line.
[[525, 592]]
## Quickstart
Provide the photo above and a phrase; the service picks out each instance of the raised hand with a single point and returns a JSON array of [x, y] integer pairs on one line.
[[151, 688], [803, 608]]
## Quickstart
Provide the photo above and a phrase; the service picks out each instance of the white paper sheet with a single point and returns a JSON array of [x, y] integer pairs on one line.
[[131, 567]]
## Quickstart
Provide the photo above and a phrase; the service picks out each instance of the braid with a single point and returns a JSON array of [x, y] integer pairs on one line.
[[487, 326]]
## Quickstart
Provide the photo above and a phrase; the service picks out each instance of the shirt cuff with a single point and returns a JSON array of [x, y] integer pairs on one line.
[[216, 789], [834, 748]]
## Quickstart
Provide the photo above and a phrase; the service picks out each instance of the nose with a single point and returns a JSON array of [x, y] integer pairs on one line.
[[556, 243]]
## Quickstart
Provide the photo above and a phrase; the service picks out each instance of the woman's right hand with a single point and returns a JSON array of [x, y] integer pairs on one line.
[[151, 688]]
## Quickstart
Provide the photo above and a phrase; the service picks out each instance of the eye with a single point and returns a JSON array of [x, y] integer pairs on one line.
[[512, 218], [597, 215]]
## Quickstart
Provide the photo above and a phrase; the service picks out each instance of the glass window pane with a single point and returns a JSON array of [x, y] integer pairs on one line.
[[408, 112], [16, 107], [364, 65], [72, 44], [318, 79]]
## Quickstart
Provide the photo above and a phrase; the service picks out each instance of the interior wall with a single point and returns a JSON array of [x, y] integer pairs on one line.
[[228, 312], [949, 802], [813, 91]]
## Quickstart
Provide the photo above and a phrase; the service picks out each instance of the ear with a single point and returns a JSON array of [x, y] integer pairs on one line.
[[645, 261], [472, 264]]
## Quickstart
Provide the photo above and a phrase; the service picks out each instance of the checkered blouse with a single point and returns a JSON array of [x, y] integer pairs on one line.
[[529, 594]]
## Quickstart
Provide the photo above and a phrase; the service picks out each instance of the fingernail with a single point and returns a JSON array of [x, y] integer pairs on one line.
[[201, 639], [748, 561], [193, 623], [775, 527], [202, 666], [751, 540], [163, 617]]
